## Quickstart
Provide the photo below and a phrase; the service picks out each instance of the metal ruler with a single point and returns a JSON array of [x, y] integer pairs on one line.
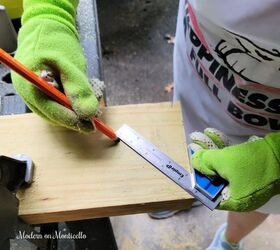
[[185, 179]]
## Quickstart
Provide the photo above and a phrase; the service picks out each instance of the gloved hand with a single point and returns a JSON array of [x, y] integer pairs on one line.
[[251, 168], [48, 40]]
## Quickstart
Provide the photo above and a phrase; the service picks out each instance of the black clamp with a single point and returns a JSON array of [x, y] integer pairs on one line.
[[15, 173]]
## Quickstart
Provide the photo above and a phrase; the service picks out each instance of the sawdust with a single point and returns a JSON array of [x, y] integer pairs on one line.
[[139, 232], [182, 246], [171, 237], [127, 244], [169, 38], [169, 87]]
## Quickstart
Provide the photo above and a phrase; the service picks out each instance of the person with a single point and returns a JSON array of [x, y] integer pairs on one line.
[[226, 75]]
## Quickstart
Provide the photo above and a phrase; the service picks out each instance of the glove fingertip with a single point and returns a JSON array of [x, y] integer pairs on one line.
[[202, 140], [85, 107], [85, 128], [199, 163], [194, 147], [219, 138]]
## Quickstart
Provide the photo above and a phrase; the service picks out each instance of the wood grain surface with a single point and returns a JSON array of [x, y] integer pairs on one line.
[[81, 176]]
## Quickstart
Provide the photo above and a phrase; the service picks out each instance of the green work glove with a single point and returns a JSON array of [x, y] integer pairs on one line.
[[48, 40], [251, 168]]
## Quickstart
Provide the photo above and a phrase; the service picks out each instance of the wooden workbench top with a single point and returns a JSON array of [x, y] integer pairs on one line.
[[87, 176]]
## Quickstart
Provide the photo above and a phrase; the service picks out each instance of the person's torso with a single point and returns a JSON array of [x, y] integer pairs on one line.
[[227, 64]]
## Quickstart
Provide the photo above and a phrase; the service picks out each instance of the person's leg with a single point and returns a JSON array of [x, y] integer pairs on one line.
[[229, 235], [241, 224]]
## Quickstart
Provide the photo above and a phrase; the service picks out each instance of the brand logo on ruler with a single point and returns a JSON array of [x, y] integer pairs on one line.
[[175, 170]]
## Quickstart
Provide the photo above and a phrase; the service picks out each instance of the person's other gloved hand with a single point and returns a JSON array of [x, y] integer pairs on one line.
[[211, 138], [251, 168], [48, 40]]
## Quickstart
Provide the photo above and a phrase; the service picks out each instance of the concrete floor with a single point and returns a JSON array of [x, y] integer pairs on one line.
[[137, 60], [137, 65]]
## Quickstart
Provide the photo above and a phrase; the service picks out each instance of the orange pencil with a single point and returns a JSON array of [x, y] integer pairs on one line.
[[49, 90]]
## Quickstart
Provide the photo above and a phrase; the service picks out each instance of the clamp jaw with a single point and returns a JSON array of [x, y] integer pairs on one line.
[[15, 173]]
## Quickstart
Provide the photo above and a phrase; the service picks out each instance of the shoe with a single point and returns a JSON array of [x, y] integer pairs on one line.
[[220, 243], [169, 213], [163, 214]]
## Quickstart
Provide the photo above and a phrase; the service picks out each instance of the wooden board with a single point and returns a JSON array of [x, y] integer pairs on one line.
[[87, 176]]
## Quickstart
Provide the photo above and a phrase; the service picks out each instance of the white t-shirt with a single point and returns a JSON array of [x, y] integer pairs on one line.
[[227, 66]]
